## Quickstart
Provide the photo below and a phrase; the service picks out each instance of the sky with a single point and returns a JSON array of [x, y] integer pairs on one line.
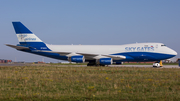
[[89, 22]]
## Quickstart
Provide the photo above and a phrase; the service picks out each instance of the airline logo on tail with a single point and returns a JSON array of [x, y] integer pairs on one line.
[[28, 38], [23, 37]]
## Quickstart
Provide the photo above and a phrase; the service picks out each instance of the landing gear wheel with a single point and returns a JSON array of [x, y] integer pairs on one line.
[[94, 64], [90, 64], [102, 65], [156, 65]]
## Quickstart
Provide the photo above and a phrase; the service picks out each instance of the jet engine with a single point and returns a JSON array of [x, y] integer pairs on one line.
[[105, 61], [77, 59]]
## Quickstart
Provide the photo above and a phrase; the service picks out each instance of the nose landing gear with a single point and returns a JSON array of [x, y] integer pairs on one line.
[[158, 64]]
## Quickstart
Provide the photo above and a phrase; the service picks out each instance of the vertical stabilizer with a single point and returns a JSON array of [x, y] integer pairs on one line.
[[24, 35], [27, 38]]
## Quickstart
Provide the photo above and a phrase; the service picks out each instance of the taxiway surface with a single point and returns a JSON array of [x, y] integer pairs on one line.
[[141, 66]]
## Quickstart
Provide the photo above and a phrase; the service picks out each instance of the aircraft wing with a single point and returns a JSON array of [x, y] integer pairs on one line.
[[111, 56], [18, 47], [116, 56], [89, 55], [95, 56]]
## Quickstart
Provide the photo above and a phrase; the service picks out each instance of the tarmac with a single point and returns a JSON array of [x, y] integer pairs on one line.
[[140, 66], [146, 66]]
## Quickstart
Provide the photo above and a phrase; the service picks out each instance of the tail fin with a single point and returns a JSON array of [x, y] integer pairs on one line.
[[24, 35], [27, 38]]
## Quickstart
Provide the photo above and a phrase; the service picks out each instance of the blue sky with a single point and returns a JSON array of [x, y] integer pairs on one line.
[[90, 22]]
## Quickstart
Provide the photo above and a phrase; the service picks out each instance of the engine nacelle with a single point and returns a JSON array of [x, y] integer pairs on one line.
[[106, 61], [77, 59]]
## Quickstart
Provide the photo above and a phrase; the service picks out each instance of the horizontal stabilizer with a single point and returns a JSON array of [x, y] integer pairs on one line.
[[18, 47]]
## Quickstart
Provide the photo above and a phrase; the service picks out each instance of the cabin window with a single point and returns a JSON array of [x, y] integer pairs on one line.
[[163, 45]]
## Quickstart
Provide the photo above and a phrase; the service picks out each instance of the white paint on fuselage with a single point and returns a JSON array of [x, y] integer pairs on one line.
[[112, 49]]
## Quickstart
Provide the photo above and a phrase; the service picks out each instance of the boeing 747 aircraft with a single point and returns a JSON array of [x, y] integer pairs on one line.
[[100, 55]]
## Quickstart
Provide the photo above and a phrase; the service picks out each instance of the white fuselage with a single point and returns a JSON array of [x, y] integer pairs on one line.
[[112, 49]]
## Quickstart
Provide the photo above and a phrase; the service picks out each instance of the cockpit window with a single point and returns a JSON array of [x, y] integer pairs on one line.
[[163, 45]]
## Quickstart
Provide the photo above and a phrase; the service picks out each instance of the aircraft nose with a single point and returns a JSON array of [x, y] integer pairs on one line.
[[173, 52]]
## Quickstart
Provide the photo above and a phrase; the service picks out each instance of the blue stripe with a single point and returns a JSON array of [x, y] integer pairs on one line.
[[35, 45], [130, 56], [144, 56], [20, 28], [50, 55]]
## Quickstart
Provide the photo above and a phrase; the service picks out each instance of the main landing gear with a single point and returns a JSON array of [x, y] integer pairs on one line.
[[94, 64]]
